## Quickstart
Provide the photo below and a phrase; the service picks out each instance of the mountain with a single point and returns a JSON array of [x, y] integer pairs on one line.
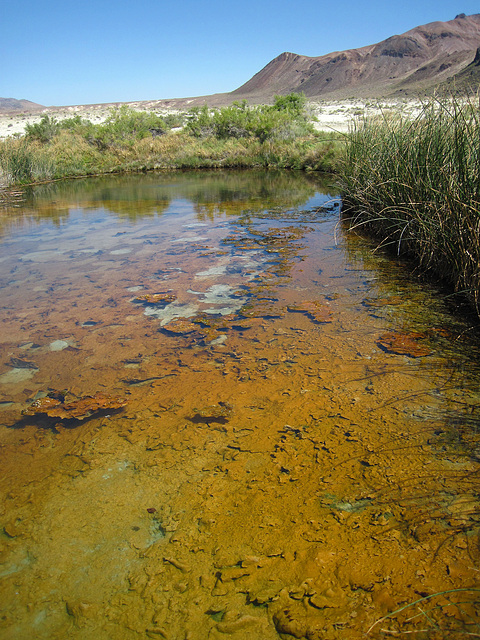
[[438, 55], [466, 81], [412, 62], [12, 105]]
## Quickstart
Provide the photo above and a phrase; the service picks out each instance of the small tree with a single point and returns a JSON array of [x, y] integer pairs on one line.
[[294, 103]]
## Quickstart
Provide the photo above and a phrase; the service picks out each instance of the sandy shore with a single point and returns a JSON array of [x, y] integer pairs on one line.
[[331, 116]]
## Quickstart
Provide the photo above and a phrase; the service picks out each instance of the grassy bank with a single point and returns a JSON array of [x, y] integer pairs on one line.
[[278, 136], [415, 184]]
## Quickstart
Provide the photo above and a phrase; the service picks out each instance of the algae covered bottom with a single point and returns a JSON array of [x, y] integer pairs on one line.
[[224, 415]]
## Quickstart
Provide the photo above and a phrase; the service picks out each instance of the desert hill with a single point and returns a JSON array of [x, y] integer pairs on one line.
[[414, 61], [12, 105], [466, 81]]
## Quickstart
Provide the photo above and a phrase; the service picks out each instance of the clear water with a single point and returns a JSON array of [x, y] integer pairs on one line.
[[288, 441]]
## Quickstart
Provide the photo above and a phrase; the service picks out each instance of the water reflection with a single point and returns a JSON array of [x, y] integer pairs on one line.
[[224, 416], [213, 194]]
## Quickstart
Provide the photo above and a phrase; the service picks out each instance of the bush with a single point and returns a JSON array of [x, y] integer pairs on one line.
[[284, 120], [42, 131], [125, 125], [294, 103]]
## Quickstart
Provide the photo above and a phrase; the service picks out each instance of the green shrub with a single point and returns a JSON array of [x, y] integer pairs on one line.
[[76, 124], [124, 125], [42, 131], [294, 103], [284, 120]]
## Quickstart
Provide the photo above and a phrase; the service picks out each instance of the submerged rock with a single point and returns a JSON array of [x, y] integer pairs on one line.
[[179, 326], [403, 344], [58, 345], [163, 298], [20, 363], [218, 413], [315, 310], [76, 409]]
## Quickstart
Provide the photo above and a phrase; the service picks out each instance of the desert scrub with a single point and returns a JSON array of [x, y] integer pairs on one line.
[[123, 127], [415, 184]]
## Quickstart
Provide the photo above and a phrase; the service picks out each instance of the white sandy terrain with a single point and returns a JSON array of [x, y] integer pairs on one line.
[[331, 116], [340, 116]]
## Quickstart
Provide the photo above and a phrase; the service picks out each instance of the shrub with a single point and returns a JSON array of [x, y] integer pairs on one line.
[[124, 125], [284, 120], [294, 103], [42, 131]]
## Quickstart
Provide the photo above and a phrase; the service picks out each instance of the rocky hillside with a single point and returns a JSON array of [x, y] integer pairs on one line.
[[14, 106], [466, 81], [407, 63]]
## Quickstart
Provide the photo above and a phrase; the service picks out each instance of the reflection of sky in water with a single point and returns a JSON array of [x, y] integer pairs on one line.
[[46, 255]]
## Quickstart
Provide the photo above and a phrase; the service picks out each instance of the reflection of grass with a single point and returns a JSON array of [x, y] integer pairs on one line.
[[212, 193]]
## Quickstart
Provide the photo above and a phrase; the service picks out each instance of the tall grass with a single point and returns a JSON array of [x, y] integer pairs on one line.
[[416, 185], [21, 161]]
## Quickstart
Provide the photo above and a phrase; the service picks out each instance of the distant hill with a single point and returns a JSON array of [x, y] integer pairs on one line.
[[12, 105], [438, 55], [412, 62]]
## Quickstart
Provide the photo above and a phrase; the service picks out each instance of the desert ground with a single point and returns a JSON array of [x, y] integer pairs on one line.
[[330, 115]]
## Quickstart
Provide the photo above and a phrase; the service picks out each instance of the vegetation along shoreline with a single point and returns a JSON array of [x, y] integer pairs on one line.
[[411, 181]]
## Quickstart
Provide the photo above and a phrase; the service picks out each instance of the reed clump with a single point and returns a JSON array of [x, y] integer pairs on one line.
[[415, 184]]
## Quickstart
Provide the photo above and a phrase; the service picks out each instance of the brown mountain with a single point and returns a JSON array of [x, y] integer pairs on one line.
[[466, 81], [12, 105], [408, 63], [439, 54]]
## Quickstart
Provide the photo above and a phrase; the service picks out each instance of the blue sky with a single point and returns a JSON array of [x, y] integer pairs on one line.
[[61, 52]]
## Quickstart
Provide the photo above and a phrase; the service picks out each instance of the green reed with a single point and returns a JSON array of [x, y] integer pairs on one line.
[[415, 184]]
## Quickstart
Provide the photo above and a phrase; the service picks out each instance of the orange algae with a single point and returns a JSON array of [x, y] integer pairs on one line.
[[290, 481], [76, 409], [315, 310]]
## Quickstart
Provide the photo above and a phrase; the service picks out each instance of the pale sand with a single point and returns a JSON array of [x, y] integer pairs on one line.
[[331, 116]]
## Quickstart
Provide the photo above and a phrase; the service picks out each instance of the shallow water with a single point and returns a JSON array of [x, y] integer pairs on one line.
[[288, 441]]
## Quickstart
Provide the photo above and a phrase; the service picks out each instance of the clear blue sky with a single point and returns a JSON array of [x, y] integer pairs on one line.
[[61, 52]]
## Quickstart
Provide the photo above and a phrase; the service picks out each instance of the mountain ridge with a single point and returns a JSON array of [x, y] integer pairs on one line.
[[12, 105], [437, 54], [417, 59]]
